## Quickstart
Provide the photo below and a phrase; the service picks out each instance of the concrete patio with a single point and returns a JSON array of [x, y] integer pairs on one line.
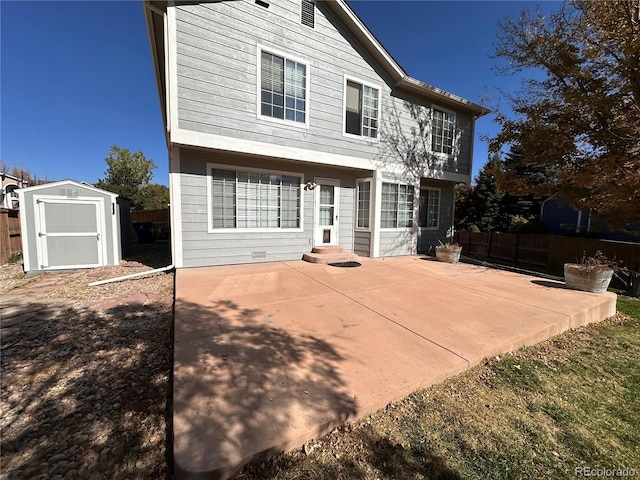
[[271, 355]]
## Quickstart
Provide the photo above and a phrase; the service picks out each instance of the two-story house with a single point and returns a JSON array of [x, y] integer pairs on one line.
[[290, 126]]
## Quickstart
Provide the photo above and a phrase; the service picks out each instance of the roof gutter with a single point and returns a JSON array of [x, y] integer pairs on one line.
[[440, 96]]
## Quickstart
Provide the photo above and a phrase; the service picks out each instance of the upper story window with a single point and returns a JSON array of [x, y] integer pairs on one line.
[[443, 131], [283, 88], [361, 109], [308, 13], [397, 206]]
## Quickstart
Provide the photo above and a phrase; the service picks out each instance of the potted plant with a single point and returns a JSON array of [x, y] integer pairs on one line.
[[448, 252], [590, 274]]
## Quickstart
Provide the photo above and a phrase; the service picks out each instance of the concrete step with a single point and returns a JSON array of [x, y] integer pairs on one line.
[[326, 258], [327, 249]]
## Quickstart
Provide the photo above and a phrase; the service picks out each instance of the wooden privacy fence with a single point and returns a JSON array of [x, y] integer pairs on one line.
[[549, 252], [159, 220], [10, 239], [154, 216]]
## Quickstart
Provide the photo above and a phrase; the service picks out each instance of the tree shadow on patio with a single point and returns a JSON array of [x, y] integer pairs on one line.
[[243, 389]]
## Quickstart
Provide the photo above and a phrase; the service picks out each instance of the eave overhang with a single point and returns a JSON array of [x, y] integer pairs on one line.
[[401, 80]]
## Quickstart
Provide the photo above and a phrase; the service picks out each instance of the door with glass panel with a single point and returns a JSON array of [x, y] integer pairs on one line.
[[327, 193]]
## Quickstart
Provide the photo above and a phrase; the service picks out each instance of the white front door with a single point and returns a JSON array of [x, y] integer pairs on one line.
[[327, 194], [69, 233]]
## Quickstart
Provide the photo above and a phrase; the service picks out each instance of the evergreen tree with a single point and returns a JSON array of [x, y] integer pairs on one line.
[[462, 198], [486, 207]]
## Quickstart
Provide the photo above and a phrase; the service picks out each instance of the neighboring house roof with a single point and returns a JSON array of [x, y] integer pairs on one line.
[[340, 8], [61, 183], [5, 176]]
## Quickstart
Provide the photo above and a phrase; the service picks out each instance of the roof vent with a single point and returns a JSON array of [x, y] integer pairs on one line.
[[308, 13], [262, 4]]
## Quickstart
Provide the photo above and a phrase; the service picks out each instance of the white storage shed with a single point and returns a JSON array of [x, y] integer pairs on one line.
[[69, 225]]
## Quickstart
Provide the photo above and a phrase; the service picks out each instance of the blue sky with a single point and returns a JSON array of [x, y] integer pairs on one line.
[[77, 77]]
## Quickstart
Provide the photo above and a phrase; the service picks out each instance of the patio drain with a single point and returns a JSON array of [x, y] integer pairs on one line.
[[345, 264]]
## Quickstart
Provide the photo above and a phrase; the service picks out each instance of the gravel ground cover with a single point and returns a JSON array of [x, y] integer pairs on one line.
[[85, 384]]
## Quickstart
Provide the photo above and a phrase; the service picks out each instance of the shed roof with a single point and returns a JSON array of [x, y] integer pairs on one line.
[[73, 183]]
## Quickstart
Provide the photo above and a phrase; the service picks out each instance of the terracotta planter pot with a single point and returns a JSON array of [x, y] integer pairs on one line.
[[448, 255], [595, 280]]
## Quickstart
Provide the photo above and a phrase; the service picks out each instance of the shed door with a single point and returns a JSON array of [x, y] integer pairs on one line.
[[70, 233]]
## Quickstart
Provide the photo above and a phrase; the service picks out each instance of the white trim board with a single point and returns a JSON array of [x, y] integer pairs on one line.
[[191, 139]]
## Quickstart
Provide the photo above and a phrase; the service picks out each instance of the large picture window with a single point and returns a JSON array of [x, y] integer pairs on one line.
[[283, 88], [443, 131], [361, 109], [253, 199], [397, 206]]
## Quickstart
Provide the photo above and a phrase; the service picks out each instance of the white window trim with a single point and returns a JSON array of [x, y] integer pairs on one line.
[[453, 154], [413, 210], [371, 205], [236, 168], [274, 51], [439, 190], [344, 108]]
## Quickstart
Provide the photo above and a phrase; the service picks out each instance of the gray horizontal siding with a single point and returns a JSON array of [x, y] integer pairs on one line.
[[202, 248], [217, 76], [397, 242], [362, 243]]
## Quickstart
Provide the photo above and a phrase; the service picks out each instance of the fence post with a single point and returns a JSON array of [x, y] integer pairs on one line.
[[4, 236]]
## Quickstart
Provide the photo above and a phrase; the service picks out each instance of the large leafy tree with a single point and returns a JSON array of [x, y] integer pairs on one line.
[[155, 196], [580, 124], [128, 174]]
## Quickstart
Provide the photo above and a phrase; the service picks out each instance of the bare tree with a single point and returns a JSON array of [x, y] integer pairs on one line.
[[583, 119]]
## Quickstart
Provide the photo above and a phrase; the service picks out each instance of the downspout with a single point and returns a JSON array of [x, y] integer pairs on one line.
[[453, 215], [579, 221], [132, 275]]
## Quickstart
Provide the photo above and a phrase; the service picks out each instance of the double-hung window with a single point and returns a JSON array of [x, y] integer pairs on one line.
[[430, 208], [283, 88], [397, 206], [253, 199], [361, 109], [363, 204], [442, 131]]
